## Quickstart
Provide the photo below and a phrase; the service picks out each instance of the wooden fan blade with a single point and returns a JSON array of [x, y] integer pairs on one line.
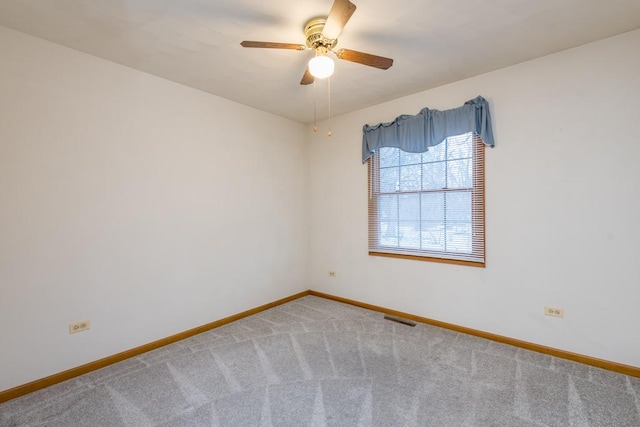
[[272, 45], [307, 78], [339, 14], [365, 58]]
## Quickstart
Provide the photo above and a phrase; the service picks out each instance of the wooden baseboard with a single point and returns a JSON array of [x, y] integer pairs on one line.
[[587, 360], [92, 366], [21, 390]]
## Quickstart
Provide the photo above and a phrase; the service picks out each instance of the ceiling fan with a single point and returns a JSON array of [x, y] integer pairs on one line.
[[322, 36]]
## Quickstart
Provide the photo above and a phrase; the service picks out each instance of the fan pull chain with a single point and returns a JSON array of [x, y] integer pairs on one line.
[[329, 98], [315, 107]]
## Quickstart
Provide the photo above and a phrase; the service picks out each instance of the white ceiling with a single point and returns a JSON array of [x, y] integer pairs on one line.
[[433, 42]]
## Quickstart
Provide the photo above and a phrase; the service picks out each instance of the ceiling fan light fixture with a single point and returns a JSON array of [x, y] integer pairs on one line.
[[321, 66]]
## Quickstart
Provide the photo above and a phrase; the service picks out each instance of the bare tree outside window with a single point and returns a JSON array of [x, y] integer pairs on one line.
[[429, 205]]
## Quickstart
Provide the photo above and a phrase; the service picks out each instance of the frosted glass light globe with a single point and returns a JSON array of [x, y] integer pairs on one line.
[[321, 66]]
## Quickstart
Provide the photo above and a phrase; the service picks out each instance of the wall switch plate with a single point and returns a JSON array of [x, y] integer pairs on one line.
[[79, 326], [553, 311]]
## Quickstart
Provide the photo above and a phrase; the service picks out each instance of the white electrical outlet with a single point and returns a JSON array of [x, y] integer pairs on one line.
[[332, 274], [79, 326], [553, 311]]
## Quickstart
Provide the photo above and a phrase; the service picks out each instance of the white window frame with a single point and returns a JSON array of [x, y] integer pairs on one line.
[[474, 257]]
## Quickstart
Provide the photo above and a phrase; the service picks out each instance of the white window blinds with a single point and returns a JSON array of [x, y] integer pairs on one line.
[[429, 205]]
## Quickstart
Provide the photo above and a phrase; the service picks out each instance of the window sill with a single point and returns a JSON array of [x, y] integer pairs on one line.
[[430, 259]]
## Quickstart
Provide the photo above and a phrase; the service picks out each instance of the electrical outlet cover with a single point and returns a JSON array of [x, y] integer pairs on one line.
[[79, 326]]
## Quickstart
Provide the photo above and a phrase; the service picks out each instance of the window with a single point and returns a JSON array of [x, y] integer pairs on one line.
[[429, 205]]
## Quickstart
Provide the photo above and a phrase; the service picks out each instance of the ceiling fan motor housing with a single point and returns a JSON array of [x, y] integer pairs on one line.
[[313, 34]]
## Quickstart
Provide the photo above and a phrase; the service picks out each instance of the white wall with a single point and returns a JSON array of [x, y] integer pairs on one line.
[[563, 212], [125, 199], [144, 206]]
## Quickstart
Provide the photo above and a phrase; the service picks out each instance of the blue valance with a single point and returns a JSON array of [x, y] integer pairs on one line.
[[415, 134]]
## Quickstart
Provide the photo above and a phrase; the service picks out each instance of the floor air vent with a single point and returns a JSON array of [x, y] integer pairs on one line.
[[400, 320]]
